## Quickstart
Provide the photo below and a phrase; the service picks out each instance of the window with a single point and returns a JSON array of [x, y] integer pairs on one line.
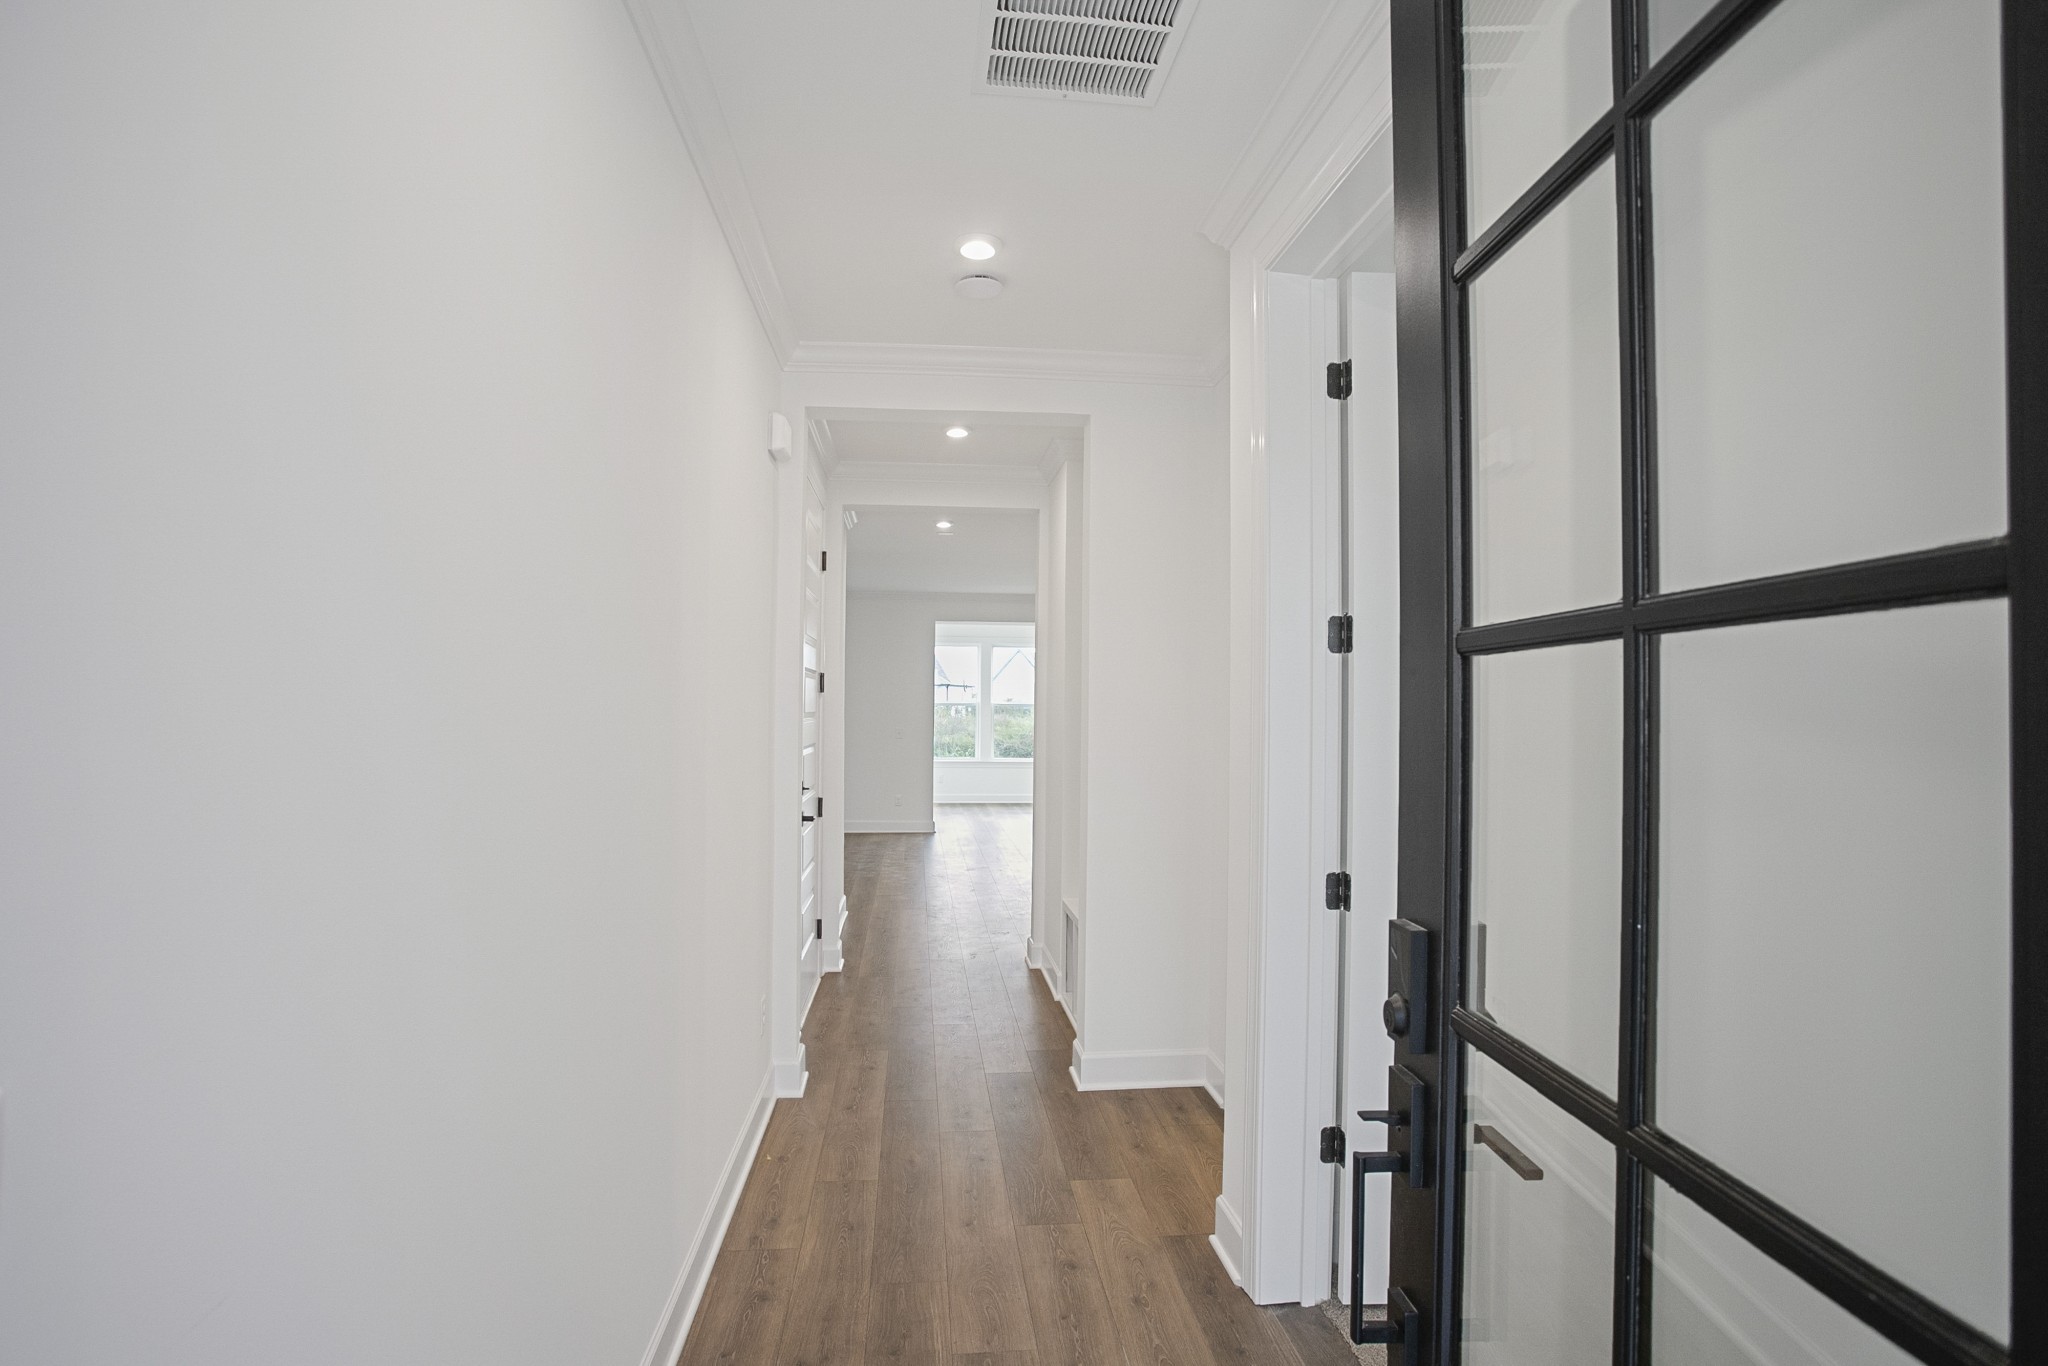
[[956, 701], [984, 682]]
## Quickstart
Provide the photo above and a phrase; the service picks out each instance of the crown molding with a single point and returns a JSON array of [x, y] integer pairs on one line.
[[670, 42], [1319, 79], [1006, 362]]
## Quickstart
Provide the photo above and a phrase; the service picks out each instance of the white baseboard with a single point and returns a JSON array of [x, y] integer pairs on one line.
[[667, 1343], [1138, 1071], [891, 828], [1228, 1240], [1212, 1081], [835, 955], [983, 799], [792, 1077], [1036, 957]]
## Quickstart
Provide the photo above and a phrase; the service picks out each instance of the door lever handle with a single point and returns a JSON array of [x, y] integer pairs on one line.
[[1518, 1161], [1402, 1325]]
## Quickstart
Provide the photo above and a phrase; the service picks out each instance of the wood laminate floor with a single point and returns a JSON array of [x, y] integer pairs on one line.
[[942, 1193]]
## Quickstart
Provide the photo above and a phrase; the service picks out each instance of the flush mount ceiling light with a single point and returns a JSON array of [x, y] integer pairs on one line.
[[980, 246], [978, 287], [957, 433], [945, 526]]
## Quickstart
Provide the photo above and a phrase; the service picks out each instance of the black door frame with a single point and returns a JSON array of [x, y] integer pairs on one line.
[[1433, 271]]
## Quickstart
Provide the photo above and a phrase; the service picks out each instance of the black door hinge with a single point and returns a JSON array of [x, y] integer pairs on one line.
[[1337, 380], [821, 929], [1337, 891], [821, 682], [1333, 1145], [1340, 635], [824, 558]]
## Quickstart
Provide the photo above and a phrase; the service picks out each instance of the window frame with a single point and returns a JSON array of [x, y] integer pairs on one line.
[[988, 637]]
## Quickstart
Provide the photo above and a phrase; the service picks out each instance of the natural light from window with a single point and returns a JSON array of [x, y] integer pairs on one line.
[[984, 685]]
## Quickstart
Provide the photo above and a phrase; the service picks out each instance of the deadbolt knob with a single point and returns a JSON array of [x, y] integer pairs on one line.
[[1395, 1013]]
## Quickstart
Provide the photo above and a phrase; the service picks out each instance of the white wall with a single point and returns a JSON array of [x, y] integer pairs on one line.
[[889, 772], [1146, 581], [385, 545]]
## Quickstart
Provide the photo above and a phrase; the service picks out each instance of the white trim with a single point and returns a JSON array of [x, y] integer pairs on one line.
[[685, 79], [1212, 1081], [1037, 958], [1228, 1240], [835, 956], [1319, 79], [854, 827], [792, 1078], [667, 1343], [1322, 126], [1138, 1071], [1006, 362]]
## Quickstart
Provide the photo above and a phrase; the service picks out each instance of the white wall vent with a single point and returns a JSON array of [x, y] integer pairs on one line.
[[1113, 51]]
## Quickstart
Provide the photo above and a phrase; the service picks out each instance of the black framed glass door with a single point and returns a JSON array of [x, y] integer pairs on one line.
[[1724, 791]]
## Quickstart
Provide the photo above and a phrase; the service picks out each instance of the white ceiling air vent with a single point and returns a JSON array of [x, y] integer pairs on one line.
[[1113, 51]]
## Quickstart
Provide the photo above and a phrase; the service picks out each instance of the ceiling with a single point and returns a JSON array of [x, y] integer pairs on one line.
[[900, 550], [867, 154], [993, 440]]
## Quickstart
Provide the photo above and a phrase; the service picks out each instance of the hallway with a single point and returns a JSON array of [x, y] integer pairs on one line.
[[942, 1193]]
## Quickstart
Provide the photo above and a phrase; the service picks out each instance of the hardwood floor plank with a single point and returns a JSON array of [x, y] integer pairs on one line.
[[1153, 1320], [853, 1139], [745, 1301], [1163, 1164], [1070, 1315], [1238, 1332], [1086, 1136], [910, 1228], [963, 1085], [1317, 1341], [986, 1309], [776, 1200], [997, 1359], [906, 1324], [830, 1326], [1039, 1189]]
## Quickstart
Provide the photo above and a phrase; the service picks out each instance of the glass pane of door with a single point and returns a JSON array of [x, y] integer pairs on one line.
[[1546, 415], [1546, 851], [1830, 310], [1717, 1301], [1833, 930], [1539, 1228], [1538, 74]]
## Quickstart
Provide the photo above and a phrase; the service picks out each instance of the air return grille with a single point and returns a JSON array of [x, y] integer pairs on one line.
[[1112, 50]]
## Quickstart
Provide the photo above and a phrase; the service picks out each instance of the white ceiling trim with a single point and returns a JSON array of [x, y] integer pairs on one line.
[[685, 78], [1007, 362], [1326, 67]]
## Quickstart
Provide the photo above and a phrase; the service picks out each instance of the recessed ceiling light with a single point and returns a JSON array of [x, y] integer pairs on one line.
[[945, 526], [956, 432], [980, 247], [978, 287]]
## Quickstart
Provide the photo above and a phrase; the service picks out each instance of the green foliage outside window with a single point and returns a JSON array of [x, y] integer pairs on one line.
[[953, 730], [1013, 730]]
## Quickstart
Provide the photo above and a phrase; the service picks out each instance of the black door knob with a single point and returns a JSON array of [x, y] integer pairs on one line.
[[1395, 1013]]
